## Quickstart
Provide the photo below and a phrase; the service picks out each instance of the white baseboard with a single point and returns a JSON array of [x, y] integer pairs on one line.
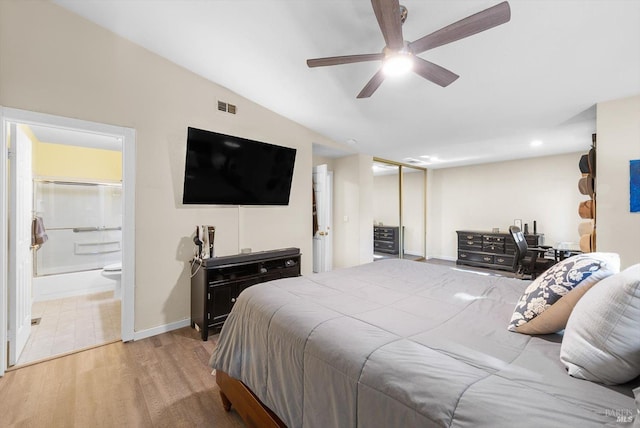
[[154, 331], [448, 258]]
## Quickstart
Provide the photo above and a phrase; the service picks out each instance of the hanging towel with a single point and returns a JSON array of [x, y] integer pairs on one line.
[[38, 234], [314, 210]]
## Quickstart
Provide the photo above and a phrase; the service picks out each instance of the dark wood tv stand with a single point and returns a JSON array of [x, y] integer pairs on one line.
[[218, 281]]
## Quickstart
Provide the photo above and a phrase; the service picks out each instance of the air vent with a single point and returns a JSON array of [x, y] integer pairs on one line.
[[229, 108], [413, 161]]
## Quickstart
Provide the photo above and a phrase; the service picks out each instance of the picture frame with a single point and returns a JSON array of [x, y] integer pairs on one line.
[[634, 186], [518, 223]]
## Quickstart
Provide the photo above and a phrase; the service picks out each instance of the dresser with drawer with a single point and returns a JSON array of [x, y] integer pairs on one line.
[[493, 250], [386, 239]]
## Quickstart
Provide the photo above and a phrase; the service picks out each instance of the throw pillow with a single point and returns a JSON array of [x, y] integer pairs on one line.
[[582, 270], [601, 341]]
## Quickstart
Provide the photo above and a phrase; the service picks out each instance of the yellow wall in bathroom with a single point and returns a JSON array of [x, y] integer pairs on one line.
[[84, 163]]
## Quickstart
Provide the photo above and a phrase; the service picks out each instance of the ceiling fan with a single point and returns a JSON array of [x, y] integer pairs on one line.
[[399, 55]]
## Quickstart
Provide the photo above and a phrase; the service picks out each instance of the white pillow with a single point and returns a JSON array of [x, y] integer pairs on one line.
[[602, 339]]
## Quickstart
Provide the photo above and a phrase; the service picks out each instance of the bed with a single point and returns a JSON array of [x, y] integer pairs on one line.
[[397, 343]]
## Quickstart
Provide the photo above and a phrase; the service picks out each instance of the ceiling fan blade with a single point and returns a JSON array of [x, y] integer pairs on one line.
[[388, 16], [481, 21], [347, 59], [372, 85], [433, 72]]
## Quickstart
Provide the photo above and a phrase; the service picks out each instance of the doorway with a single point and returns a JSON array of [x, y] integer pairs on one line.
[[323, 219], [85, 131]]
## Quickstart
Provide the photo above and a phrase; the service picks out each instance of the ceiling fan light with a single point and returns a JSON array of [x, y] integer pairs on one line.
[[398, 64]]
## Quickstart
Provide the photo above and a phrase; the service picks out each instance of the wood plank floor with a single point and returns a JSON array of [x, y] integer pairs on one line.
[[162, 381]]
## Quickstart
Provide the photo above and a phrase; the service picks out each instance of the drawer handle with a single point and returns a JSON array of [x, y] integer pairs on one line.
[[233, 300], [462, 256], [500, 260], [470, 242], [486, 259], [469, 236]]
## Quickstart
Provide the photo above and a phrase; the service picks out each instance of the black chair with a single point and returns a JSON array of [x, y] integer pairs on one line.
[[528, 261]]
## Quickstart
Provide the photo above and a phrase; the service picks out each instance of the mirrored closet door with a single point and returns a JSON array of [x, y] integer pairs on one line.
[[399, 210]]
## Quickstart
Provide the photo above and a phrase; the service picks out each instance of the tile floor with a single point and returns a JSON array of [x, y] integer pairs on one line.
[[71, 324]]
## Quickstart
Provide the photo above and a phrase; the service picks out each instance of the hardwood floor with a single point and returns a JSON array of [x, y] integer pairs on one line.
[[162, 381], [483, 271]]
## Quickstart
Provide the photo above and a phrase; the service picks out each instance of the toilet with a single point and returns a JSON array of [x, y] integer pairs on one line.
[[114, 272]]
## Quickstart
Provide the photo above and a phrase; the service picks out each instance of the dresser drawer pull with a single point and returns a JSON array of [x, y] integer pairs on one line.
[[487, 259], [469, 236], [462, 256], [500, 260], [233, 300], [470, 242]]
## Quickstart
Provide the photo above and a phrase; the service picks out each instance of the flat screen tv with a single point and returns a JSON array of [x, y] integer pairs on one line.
[[225, 170]]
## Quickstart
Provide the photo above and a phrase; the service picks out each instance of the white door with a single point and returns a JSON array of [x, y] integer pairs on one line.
[[323, 238], [20, 257]]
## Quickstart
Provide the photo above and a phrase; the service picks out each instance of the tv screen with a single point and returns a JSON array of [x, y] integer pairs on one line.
[[225, 170]]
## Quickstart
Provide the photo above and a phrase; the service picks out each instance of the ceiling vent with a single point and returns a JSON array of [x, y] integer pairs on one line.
[[222, 106], [413, 161]]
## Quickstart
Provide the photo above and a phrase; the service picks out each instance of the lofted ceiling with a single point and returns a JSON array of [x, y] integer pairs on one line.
[[535, 78]]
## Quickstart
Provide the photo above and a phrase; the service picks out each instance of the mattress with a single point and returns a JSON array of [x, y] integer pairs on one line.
[[397, 343]]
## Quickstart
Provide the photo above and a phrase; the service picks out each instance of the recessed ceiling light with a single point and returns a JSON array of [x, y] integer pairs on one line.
[[536, 143]]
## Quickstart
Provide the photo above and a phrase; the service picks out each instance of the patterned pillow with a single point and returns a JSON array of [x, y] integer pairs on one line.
[[582, 270]]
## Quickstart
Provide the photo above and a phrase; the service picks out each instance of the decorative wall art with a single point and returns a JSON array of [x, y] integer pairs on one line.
[[634, 186]]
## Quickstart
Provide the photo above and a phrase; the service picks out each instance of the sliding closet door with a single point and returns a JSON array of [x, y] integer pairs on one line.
[[399, 210], [386, 211], [413, 197]]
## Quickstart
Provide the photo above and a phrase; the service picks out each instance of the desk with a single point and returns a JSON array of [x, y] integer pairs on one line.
[[563, 253]]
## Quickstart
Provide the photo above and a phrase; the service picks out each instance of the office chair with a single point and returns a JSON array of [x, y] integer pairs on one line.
[[528, 261]]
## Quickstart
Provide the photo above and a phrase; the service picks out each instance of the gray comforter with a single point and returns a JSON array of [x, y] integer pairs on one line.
[[403, 344]]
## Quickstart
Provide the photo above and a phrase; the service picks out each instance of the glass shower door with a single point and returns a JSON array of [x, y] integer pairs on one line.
[[83, 222]]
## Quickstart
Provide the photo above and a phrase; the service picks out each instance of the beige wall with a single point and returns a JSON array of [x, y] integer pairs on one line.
[[618, 128], [67, 66], [321, 160], [353, 211], [482, 197]]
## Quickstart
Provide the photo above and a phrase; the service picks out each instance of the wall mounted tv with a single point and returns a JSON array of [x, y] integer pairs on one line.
[[225, 170]]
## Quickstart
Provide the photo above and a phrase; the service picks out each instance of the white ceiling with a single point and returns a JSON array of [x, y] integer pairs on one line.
[[537, 77]]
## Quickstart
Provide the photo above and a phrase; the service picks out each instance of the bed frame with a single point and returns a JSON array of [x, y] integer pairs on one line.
[[247, 405]]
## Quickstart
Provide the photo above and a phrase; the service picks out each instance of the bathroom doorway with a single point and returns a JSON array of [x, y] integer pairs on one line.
[[82, 197]]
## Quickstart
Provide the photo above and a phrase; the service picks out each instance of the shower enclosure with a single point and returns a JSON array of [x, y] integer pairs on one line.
[[83, 221]]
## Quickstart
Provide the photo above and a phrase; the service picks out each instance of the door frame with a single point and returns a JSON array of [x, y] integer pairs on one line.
[[327, 209], [128, 137]]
